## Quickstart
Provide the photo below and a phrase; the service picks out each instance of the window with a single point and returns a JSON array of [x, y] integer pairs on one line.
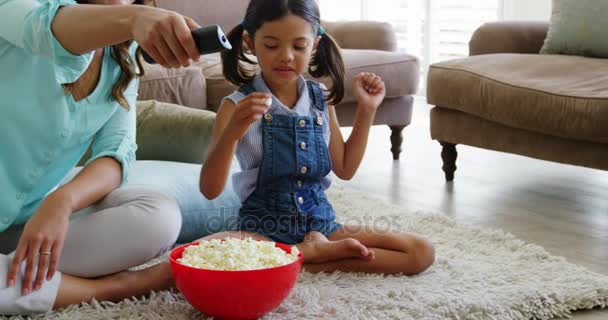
[[432, 30]]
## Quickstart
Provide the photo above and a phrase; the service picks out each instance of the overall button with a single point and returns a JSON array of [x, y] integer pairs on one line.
[[20, 196], [303, 145], [5, 220], [303, 170], [302, 123], [299, 183], [319, 120], [65, 133], [268, 117], [301, 200]]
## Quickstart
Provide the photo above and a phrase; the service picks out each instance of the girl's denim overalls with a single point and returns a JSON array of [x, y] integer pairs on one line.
[[289, 201]]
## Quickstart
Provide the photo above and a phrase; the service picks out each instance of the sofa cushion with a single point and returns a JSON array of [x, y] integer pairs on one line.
[[183, 86], [172, 132], [563, 96], [577, 28], [399, 71]]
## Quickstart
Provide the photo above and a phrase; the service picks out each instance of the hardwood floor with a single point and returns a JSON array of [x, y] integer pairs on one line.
[[560, 207]]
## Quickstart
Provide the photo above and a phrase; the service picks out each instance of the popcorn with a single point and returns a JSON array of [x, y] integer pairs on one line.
[[233, 254]]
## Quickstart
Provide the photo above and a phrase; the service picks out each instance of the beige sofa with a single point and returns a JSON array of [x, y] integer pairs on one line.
[[367, 46], [509, 98]]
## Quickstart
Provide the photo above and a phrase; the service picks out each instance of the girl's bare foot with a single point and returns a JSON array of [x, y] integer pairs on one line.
[[316, 248]]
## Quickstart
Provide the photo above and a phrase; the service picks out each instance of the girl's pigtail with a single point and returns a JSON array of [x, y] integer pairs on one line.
[[327, 61], [231, 60]]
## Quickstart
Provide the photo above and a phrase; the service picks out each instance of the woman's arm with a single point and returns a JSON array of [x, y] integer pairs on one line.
[[84, 28], [60, 28], [346, 156], [113, 152], [91, 184], [46, 230], [165, 35]]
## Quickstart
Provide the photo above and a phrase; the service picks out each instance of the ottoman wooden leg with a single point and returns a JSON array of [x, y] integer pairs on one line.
[[396, 140], [449, 155]]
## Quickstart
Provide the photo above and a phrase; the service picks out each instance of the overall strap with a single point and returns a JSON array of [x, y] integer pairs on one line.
[[247, 89], [316, 94]]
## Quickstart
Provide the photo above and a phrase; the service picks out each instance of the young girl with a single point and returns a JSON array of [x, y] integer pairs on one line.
[[287, 139]]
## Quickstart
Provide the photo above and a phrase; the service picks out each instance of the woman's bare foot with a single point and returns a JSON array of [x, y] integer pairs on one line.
[[116, 287], [141, 282], [316, 248]]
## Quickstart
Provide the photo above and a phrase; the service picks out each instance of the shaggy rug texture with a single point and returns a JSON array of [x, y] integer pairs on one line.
[[478, 274]]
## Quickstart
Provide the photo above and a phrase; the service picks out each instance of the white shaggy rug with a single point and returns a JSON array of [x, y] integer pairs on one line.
[[478, 274]]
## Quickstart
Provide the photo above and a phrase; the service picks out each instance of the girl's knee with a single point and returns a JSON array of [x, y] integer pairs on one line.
[[422, 252]]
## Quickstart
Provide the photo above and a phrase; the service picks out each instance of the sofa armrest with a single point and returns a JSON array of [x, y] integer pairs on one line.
[[508, 37], [172, 132], [363, 35]]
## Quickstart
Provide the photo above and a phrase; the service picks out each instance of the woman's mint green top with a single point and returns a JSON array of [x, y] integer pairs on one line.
[[44, 131]]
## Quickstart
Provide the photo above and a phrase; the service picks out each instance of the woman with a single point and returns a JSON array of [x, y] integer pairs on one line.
[[69, 80]]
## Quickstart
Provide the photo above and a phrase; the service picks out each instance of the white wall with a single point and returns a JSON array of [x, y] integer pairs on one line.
[[527, 9]]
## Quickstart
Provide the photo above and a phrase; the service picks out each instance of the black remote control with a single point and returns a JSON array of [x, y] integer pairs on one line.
[[208, 39]]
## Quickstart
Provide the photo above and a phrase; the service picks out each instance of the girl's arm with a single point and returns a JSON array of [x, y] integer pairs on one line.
[[215, 169], [231, 124], [346, 156]]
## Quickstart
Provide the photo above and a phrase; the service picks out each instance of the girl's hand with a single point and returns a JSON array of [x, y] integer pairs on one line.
[[369, 90], [246, 112], [165, 36], [41, 243]]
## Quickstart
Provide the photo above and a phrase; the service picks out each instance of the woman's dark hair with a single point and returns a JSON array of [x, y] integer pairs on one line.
[[326, 60], [121, 55]]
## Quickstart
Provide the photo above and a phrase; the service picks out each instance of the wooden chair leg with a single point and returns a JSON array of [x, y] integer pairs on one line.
[[396, 140], [449, 156]]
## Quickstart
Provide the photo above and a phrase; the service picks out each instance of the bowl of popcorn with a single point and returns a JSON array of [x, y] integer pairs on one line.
[[234, 278]]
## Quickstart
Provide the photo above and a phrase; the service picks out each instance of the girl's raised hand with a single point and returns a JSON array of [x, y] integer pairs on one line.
[[246, 112], [369, 90]]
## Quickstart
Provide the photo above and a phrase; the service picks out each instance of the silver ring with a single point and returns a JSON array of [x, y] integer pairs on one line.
[[44, 253]]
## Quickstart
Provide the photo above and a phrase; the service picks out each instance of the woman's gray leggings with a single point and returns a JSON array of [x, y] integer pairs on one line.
[[129, 227]]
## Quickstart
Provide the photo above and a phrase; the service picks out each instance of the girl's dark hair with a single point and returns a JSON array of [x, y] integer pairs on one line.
[[120, 53], [326, 60]]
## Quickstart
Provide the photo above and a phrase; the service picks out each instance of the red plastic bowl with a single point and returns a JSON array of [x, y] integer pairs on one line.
[[234, 294]]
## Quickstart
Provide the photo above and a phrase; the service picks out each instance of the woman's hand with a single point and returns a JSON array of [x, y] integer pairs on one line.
[[369, 90], [41, 243], [165, 36], [246, 112]]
